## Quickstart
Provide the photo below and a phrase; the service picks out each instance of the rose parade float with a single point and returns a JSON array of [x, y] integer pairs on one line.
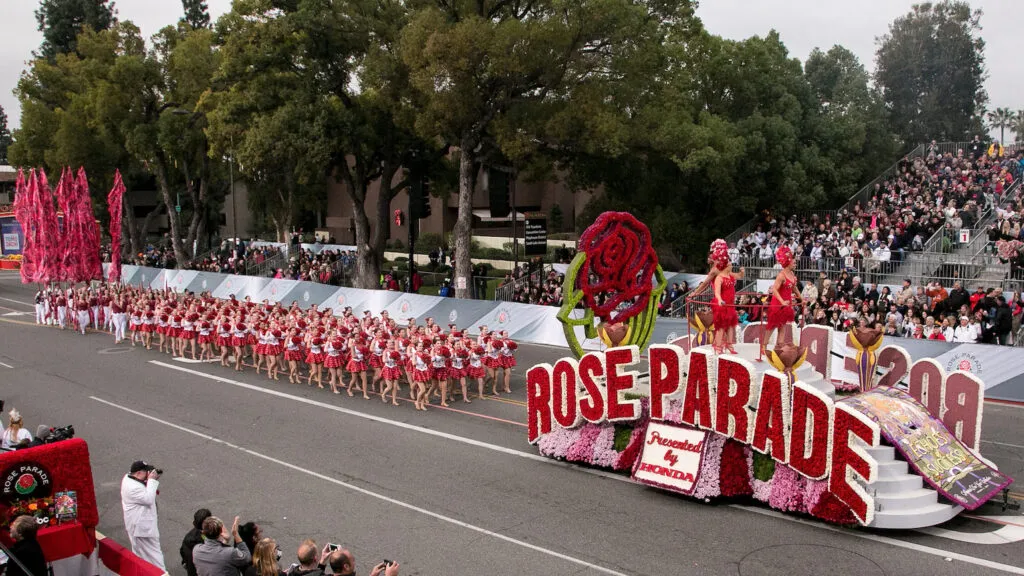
[[710, 417]]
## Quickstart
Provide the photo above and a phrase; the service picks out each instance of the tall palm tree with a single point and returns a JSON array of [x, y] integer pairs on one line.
[[1002, 118], [1018, 126]]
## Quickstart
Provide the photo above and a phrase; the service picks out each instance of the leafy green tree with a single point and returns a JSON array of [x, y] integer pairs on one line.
[[197, 15], [1001, 119], [114, 104], [930, 67], [496, 75], [60, 21], [311, 89], [5, 136]]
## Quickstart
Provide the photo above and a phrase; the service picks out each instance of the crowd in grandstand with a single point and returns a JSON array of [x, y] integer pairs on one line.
[[947, 192]]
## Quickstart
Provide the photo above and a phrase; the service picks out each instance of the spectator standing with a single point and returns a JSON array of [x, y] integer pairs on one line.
[[221, 553], [138, 502], [15, 435], [264, 560], [965, 332], [26, 549], [193, 538], [310, 563]]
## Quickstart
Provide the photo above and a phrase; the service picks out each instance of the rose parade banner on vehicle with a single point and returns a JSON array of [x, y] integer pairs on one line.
[[942, 460]]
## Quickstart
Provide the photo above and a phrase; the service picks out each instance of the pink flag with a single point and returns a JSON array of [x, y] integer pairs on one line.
[[23, 211], [92, 264], [48, 269], [114, 204]]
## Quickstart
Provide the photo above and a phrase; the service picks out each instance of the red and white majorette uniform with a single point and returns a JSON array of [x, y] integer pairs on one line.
[[421, 367], [252, 338], [135, 321], [333, 359], [261, 342], [174, 330], [458, 367], [161, 324], [273, 343], [205, 332], [188, 331], [508, 354], [377, 354], [439, 364], [315, 354], [358, 361], [224, 335], [476, 363], [293, 349], [149, 321], [392, 369], [238, 335], [493, 357]]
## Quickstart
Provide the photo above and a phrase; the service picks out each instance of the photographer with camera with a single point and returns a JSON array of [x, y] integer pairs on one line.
[[138, 501], [343, 563]]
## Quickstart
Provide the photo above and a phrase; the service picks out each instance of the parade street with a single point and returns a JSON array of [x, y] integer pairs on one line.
[[457, 491]]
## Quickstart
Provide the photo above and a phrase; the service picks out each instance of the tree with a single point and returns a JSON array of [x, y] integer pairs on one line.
[[113, 104], [197, 15], [1018, 125], [1001, 119], [60, 21], [493, 75], [930, 67], [5, 136]]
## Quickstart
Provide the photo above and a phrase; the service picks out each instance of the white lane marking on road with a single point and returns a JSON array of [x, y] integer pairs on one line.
[[884, 540], [1002, 444], [18, 302], [17, 313], [6, 365], [470, 441], [1007, 534], [370, 493], [382, 420]]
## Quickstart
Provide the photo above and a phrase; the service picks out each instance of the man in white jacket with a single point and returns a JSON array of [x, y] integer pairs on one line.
[[138, 500]]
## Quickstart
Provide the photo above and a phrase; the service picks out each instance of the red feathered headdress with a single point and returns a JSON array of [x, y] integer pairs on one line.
[[720, 253], [784, 255]]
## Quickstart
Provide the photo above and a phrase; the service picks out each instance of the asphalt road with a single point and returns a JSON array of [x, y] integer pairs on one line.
[[443, 492]]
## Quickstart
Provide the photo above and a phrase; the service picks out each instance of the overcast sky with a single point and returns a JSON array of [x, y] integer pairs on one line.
[[803, 25]]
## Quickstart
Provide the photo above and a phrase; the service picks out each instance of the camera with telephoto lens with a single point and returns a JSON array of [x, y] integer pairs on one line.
[[62, 433]]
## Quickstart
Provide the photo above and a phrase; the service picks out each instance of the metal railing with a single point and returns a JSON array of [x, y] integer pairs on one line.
[[506, 292], [946, 269]]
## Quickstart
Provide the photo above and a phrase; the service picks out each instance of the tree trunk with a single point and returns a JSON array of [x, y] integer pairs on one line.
[[172, 215], [367, 267], [464, 222], [378, 241], [137, 231]]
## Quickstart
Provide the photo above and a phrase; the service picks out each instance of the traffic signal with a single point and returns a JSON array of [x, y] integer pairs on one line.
[[419, 200]]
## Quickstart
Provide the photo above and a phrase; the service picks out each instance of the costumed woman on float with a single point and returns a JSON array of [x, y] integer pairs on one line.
[[723, 307], [780, 309]]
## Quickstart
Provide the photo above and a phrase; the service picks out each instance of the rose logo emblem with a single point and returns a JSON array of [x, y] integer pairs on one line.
[[273, 290], [616, 276], [502, 317], [453, 316], [204, 284], [305, 296], [965, 365], [341, 299], [405, 306]]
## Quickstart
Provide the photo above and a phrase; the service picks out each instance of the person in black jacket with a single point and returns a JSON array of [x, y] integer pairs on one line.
[[193, 538], [26, 549], [1003, 321]]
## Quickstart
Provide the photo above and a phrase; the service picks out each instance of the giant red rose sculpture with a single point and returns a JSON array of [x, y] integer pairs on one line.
[[617, 277]]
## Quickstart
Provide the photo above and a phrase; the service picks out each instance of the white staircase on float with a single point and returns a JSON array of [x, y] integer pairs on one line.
[[902, 499]]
